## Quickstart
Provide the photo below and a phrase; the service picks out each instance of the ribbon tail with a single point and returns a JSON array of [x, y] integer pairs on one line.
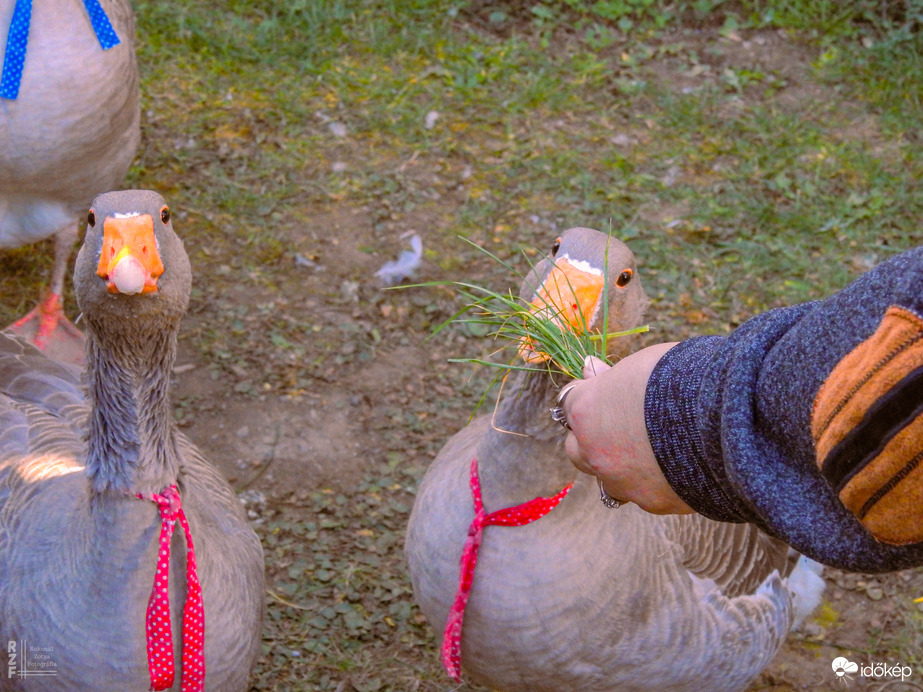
[[162, 676], [105, 34], [451, 636], [160, 646], [14, 56], [451, 644], [193, 679]]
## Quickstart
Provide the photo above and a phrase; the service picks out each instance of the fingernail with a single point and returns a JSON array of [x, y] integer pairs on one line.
[[588, 363]]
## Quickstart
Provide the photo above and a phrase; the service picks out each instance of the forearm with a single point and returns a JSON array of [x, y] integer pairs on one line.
[[733, 421]]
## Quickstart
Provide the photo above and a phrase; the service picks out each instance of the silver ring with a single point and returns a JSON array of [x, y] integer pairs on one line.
[[558, 416], [607, 499], [557, 412], [565, 390]]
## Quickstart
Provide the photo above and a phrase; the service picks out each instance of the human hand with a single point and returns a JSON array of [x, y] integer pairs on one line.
[[608, 437]]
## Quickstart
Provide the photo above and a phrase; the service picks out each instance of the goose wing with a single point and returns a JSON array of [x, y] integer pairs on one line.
[[737, 557], [42, 407]]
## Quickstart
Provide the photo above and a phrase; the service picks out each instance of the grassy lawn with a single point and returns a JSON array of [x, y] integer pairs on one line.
[[776, 172]]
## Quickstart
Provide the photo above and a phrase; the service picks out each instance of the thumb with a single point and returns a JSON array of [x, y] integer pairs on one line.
[[593, 366]]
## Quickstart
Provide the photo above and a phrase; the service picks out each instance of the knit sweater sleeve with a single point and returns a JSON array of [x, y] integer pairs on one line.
[[807, 421]]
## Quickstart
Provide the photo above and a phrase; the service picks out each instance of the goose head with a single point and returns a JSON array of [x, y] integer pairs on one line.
[[132, 281], [132, 274], [588, 275]]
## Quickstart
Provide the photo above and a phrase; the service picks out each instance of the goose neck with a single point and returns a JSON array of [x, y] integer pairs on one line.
[[131, 443], [522, 455]]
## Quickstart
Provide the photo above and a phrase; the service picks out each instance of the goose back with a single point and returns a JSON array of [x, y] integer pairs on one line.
[[74, 128]]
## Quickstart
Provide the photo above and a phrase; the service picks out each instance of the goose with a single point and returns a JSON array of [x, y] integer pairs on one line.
[[586, 598], [69, 129], [92, 485]]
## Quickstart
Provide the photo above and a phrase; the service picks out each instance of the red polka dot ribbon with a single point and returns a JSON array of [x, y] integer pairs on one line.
[[159, 634], [519, 515]]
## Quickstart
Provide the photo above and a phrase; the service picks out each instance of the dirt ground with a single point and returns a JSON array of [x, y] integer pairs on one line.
[[338, 428]]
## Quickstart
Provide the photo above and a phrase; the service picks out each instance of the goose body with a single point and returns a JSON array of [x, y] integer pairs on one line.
[[71, 133], [78, 547], [587, 598]]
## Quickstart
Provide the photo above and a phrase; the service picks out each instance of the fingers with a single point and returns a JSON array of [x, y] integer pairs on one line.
[[572, 447], [565, 390], [593, 366], [609, 439]]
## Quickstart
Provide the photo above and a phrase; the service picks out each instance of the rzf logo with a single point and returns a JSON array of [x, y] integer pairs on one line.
[[11, 659]]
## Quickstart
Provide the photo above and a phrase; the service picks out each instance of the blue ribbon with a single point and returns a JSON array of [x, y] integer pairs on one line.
[[18, 38]]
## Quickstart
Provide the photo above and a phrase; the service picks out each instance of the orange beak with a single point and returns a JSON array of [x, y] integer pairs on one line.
[[129, 260], [569, 296]]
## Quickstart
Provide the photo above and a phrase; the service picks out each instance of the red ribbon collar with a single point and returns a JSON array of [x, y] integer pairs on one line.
[[519, 515], [159, 634]]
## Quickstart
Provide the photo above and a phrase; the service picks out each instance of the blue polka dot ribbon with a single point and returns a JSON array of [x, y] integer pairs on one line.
[[18, 37]]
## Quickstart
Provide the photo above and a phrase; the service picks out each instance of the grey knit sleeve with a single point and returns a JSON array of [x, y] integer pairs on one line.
[[734, 422], [685, 412]]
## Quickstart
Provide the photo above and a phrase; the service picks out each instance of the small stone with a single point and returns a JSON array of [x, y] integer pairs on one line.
[[621, 140]]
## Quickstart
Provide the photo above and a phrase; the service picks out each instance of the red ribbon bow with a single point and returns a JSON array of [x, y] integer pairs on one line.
[[519, 515], [159, 634]]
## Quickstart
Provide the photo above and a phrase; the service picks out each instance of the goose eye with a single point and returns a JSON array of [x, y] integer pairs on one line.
[[91, 218], [556, 247], [624, 278], [165, 215]]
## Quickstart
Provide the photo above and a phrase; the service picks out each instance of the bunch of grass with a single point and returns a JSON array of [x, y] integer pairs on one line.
[[513, 320]]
